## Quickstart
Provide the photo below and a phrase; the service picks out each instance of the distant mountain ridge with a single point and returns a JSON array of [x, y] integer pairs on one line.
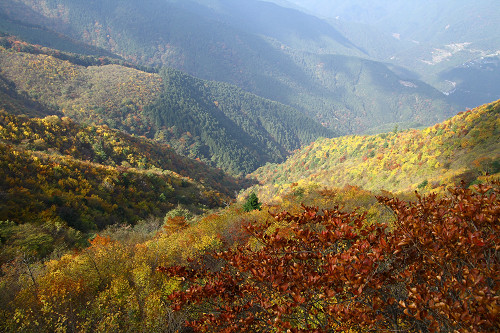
[[443, 21], [428, 38], [258, 47]]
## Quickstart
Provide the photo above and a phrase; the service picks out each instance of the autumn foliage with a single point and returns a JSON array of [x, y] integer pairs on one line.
[[434, 268], [464, 147]]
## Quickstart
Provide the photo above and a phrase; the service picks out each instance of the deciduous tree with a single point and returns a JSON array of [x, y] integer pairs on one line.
[[435, 269]]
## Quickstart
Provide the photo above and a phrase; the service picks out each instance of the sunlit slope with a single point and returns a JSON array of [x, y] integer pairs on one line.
[[90, 177], [82, 92], [464, 147], [218, 123], [100, 144], [16, 103]]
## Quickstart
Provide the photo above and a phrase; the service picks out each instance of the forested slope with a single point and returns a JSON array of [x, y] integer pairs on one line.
[[236, 130], [215, 122], [257, 47], [129, 279], [464, 147], [18, 103], [58, 179], [100, 144]]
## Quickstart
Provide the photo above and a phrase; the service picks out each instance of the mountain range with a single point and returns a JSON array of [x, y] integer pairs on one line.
[[237, 85], [215, 122], [429, 39], [255, 45]]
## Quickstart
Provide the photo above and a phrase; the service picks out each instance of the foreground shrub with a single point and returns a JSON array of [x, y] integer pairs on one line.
[[435, 269]]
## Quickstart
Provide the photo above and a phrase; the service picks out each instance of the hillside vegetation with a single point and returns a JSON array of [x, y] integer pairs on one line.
[[464, 147], [18, 103], [112, 283], [59, 180], [217, 123], [431, 269], [254, 45], [100, 144], [393, 253]]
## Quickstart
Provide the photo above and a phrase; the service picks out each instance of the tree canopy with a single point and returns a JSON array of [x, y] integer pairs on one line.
[[434, 268], [252, 203]]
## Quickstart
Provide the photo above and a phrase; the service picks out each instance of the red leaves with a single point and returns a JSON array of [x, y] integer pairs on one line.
[[299, 299], [100, 241], [438, 269]]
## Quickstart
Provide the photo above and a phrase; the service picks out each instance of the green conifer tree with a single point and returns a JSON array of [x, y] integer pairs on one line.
[[252, 203]]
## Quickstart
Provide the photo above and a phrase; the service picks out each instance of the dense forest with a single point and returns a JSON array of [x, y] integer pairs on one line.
[[61, 181], [234, 129], [215, 122], [100, 144], [464, 147]]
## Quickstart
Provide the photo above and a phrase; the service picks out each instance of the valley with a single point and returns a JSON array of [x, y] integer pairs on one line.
[[249, 166], [296, 68]]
